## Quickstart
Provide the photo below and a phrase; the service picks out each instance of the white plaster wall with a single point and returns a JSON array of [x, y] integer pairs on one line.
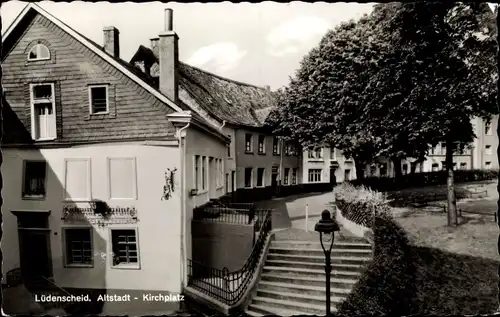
[[158, 226]]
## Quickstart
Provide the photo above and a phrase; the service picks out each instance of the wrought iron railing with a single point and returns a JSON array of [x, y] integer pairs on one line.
[[230, 213], [229, 287]]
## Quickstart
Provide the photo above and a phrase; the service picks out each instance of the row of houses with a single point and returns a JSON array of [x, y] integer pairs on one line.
[[151, 139]]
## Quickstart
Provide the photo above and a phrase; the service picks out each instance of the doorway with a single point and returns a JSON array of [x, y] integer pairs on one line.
[[34, 252], [227, 183], [333, 178], [34, 246]]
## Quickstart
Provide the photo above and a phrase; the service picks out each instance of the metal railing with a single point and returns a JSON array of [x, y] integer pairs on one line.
[[230, 213], [229, 287]]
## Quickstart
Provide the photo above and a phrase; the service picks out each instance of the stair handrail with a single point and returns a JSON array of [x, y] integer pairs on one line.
[[230, 287], [57, 286]]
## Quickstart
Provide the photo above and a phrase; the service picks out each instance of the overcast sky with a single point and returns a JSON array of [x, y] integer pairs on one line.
[[261, 44]]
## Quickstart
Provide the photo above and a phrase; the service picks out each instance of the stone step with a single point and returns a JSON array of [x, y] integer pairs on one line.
[[319, 252], [272, 256], [312, 281], [300, 298], [307, 308], [291, 271], [316, 266], [264, 310], [317, 245], [302, 289]]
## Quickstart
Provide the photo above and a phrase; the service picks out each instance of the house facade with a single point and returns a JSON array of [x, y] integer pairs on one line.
[[99, 164], [255, 158], [329, 165]]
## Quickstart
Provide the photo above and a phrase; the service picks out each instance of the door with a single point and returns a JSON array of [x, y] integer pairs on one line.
[[274, 182], [333, 178], [227, 183], [35, 254], [347, 175], [233, 181]]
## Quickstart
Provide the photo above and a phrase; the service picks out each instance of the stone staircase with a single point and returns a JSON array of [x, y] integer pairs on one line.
[[293, 277]]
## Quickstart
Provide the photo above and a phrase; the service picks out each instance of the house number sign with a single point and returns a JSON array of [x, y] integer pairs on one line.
[[115, 215]]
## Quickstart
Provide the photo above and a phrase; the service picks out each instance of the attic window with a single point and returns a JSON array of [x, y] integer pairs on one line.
[[98, 99], [39, 52]]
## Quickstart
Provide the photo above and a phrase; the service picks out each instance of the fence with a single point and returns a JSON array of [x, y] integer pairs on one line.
[[230, 287]]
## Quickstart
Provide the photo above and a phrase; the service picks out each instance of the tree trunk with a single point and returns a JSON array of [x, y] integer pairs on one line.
[[397, 168], [452, 200]]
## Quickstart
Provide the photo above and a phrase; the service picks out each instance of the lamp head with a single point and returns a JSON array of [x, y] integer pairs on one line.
[[326, 224]]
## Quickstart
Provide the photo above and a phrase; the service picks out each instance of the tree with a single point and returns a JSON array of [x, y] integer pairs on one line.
[[445, 54], [405, 78]]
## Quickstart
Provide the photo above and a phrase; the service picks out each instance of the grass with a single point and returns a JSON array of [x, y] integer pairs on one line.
[[440, 271]]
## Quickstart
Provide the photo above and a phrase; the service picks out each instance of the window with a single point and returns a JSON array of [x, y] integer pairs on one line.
[[314, 175], [315, 154], [333, 154], [78, 246], [124, 245], [276, 147], [248, 142], [463, 166], [34, 179], [197, 172], [39, 52], [122, 178], [347, 174], [260, 177], [98, 98], [77, 180], [287, 148], [405, 169], [487, 164], [43, 114], [443, 148], [383, 169], [435, 167], [229, 150], [262, 148], [294, 176], [487, 127], [488, 150], [248, 177], [286, 176], [204, 171], [443, 165]]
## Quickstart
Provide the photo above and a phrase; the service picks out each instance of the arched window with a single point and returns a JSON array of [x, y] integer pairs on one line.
[[39, 52]]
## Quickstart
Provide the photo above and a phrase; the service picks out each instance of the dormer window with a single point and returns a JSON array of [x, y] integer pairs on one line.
[[39, 52], [98, 99]]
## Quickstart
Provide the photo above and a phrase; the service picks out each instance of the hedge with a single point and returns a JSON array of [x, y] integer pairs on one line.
[[424, 179], [386, 286]]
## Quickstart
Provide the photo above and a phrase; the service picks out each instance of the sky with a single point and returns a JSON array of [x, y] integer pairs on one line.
[[260, 44]]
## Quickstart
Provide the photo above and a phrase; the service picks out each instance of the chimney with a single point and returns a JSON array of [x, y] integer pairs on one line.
[[168, 56], [155, 45], [112, 41]]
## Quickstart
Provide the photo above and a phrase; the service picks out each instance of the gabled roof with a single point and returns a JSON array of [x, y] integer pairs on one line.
[[9, 39], [224, 99]]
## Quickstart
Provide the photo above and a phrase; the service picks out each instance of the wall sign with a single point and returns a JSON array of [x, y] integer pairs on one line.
[[117, 215]]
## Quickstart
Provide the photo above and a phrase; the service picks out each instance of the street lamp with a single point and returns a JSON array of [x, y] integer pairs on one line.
[[326, 228]]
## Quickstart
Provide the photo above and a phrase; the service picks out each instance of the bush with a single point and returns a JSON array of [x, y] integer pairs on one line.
[[387, 285], [359, 204], [424, 179]]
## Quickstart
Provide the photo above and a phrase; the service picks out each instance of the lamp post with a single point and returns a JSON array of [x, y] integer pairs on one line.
[[326, 228]]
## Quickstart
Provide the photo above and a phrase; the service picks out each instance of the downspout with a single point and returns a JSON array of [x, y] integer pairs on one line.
[[182, 151]]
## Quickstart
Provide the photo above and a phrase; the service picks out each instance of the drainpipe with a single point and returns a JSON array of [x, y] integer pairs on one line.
[[182, 151]]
